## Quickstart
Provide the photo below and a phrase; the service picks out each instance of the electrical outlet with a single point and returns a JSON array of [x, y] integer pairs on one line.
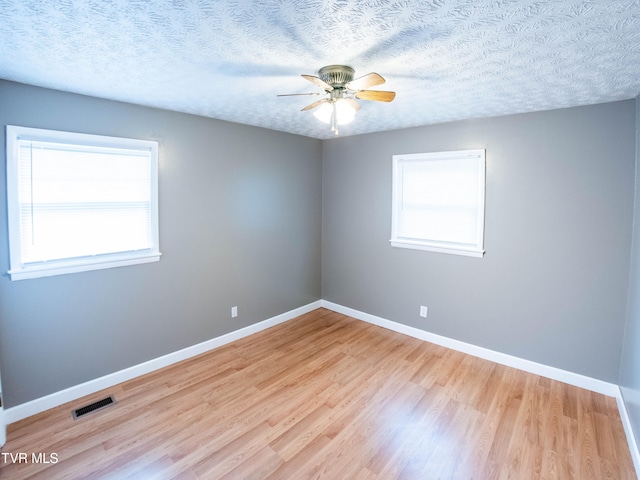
[[234, 312], [423, 311]]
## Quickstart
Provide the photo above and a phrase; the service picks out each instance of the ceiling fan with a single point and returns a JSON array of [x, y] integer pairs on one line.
[[340, 91]]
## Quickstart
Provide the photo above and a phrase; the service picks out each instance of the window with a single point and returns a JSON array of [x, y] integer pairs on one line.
[[79, 202], [438, 202]]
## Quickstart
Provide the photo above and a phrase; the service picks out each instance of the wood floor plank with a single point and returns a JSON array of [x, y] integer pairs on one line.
[[325, 396], [256, 467]]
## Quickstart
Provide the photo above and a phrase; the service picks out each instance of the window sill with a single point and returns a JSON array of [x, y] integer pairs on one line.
[[47, 269], [469, 252]]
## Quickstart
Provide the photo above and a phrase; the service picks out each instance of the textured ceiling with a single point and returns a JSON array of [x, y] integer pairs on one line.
[[446, 59]]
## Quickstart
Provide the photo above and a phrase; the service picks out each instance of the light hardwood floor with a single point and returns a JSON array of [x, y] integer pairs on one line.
[[327, 396]]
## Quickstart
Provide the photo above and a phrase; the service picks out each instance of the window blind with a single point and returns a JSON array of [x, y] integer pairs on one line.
[[77, 201], [439, 201]]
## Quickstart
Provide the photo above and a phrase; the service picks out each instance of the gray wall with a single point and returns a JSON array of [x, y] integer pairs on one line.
[[630, 365], [240, 219], [245, 214], [552, 286]]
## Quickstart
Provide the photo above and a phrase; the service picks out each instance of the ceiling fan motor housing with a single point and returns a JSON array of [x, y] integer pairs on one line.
[[336, 75]]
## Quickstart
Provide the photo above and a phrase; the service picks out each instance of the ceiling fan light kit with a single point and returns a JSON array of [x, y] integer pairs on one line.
[[339, 112], [340, 91]]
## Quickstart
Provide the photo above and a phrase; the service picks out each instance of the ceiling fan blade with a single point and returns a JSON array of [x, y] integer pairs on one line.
[[297, 94], [377, 95], [369, 80], [356, 106], [319, 82], [313, 105]]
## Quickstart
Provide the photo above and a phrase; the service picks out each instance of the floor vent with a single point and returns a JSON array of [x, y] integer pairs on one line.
[[105, 402]]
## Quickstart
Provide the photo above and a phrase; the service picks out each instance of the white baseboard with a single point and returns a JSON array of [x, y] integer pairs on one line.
[[554, 373], [38, 405], [3, 428], [628, 430]]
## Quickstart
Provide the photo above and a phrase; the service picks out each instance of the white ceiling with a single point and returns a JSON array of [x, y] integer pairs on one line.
[[446, 59]]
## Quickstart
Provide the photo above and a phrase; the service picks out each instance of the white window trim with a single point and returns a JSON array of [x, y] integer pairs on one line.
[[20, 271], [434, 246]]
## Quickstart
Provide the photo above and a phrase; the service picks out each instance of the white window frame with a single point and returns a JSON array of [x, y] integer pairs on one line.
[[474, 250], [20, 270]]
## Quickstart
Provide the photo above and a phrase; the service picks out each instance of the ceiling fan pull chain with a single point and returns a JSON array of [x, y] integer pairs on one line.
[[334, 119]]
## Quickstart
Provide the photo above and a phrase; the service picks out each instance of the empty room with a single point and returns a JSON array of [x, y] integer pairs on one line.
[[320, 239]]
